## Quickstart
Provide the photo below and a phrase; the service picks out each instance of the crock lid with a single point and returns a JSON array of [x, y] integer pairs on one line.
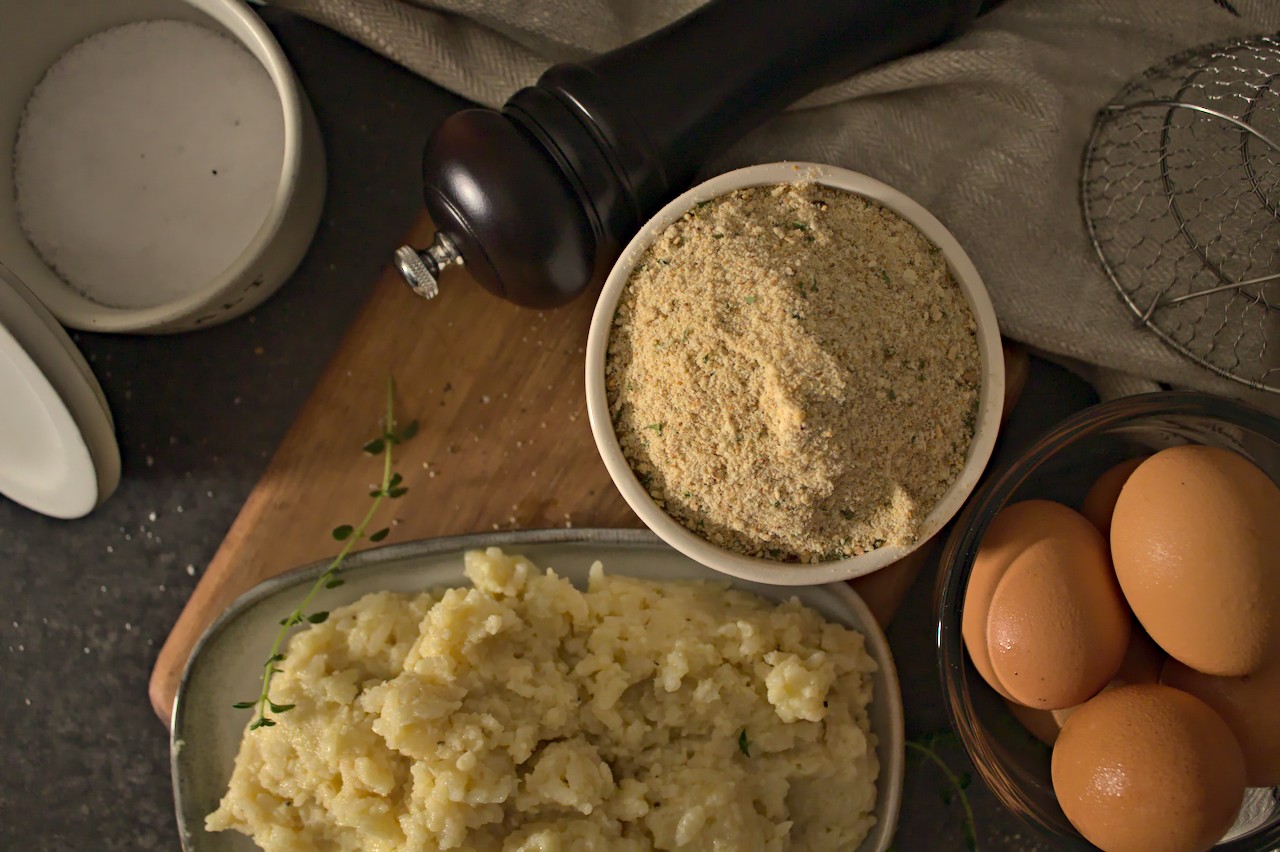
[[58, 451]]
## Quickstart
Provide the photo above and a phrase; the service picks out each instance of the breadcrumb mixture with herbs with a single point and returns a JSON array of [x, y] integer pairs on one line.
[[793, 372]]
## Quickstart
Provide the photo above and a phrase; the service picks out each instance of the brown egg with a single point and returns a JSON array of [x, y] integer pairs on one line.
[[1143, 660], [1142, 663], [1011, 532], [1250, 705], [1148, 768], [1058, 627], [1195, 537], [1044, 725], [1100, 502]]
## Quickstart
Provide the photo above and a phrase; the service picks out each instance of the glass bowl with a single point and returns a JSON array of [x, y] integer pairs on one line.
[[1061, 466]]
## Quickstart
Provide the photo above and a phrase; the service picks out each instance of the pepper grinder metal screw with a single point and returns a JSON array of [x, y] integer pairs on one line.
[[421, 269]]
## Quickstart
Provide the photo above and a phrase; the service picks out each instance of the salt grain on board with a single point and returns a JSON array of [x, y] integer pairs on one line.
[[147, 158]]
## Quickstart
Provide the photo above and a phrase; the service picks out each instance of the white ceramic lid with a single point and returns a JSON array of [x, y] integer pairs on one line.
[[58, 451]]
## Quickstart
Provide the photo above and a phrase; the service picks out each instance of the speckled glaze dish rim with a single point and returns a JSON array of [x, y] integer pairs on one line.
[[758, 569], [837, 601]]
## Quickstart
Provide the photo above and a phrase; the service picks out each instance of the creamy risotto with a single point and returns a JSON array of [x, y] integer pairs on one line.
[[525, 714]]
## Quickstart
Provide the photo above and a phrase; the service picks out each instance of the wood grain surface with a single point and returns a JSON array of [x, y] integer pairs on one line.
[[503, 444]]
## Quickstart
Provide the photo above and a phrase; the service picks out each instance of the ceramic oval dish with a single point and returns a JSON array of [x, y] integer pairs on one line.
[[206, 730]]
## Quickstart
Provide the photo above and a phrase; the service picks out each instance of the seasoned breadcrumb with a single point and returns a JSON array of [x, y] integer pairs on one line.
[[793, 372]]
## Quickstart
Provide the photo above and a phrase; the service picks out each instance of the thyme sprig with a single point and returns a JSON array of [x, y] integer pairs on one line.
[[926, 746], [390, 488]]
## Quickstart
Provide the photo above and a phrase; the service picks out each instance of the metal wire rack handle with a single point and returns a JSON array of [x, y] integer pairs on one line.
[[1171, 105]]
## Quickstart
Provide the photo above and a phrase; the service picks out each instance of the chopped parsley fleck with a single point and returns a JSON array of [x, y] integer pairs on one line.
[[743, 744]]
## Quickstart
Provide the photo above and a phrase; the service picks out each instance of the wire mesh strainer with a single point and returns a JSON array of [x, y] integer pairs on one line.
[[1181, 196]]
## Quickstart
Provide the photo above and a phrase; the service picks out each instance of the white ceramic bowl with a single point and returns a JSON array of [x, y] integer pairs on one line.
[[991, 398], [33, 35]]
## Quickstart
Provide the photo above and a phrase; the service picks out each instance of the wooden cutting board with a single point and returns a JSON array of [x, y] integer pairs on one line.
[[503, 444]]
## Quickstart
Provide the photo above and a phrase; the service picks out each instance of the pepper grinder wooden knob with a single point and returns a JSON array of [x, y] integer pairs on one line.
[[539, 199]]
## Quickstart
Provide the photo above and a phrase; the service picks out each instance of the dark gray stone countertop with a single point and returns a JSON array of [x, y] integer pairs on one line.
[[86, 604]]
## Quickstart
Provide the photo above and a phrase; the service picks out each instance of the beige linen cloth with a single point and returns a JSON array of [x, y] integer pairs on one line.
[[987, 132]]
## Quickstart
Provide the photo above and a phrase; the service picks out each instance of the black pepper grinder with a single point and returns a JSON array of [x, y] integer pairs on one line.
[[539, 199]]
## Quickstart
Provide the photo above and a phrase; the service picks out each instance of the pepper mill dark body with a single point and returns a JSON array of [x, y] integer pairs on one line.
[[539, 199]]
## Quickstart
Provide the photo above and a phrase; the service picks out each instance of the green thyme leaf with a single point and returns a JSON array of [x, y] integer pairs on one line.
[[389, 488], [743, 744]]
